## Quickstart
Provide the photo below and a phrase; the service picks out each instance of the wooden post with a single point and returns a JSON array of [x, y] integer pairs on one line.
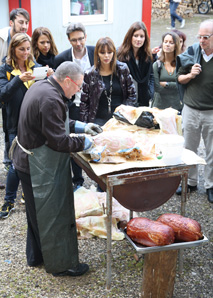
[[159, 274]]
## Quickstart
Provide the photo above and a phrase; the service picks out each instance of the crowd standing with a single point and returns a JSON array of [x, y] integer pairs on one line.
[[84, 85]]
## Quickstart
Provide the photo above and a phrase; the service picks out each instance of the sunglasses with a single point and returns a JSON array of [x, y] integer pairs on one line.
[[205, 37], [79, 87]]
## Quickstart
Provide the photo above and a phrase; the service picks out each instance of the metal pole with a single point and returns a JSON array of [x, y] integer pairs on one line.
[[109, 190]]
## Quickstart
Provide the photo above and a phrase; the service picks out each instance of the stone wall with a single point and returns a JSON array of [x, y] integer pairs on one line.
[[160, 8]]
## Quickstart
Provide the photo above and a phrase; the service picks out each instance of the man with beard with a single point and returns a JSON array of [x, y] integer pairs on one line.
[[83, 56], [19, 23]]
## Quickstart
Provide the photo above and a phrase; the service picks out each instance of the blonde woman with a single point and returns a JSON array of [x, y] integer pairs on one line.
[[16, 77]]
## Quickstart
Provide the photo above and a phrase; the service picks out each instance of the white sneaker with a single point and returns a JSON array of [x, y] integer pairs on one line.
[[170, 28], [182, 24]]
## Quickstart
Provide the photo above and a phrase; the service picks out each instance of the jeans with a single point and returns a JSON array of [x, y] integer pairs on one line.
[[173, 7], [12, 179]]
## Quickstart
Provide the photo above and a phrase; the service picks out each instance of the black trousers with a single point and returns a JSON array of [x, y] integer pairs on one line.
[[74, 114], [33, 247]]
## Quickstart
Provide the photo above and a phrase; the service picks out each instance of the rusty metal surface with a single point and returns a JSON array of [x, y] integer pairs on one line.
[[151, 188], [139, 189]]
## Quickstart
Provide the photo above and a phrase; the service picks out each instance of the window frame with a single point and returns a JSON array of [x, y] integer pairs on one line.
[[107, 17]]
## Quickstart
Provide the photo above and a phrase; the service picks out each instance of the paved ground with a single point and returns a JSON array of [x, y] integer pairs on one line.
[[158, 28]]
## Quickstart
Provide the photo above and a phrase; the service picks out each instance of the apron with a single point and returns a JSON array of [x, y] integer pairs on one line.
[[51, 178]]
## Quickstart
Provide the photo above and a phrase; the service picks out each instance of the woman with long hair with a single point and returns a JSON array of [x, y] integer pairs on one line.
[[136, 53], [166, 93], [43, 45], [106, 85], [16, 77]]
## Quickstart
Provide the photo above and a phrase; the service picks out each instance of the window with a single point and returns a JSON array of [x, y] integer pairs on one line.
[[87, 11]]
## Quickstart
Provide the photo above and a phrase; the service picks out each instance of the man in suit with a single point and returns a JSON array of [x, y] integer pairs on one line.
[[84, 56]]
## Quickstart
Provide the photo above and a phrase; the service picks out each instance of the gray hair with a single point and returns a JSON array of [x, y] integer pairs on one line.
[[68, 69], [207, 23], [75, 27]]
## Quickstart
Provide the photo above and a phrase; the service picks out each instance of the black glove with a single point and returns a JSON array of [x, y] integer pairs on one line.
[[92, 129]]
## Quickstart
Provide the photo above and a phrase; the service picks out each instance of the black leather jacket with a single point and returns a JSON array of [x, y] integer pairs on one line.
[[93, 86]]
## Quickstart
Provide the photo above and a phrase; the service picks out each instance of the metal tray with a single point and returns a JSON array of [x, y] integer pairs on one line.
[[179, 245]]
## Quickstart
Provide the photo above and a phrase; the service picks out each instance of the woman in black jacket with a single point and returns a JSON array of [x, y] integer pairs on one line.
[[106, 85], [135, 51], [44, 48], [16, 77]]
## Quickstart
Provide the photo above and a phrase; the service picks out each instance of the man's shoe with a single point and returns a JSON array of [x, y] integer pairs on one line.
[[210, 194], [6, 209], [82, 268], [182, 24], [2, 186], [189, 189]]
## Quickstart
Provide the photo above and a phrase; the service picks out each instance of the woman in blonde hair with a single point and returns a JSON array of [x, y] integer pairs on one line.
[[106, 85], [166, 93], [43, 45], [16, 77]]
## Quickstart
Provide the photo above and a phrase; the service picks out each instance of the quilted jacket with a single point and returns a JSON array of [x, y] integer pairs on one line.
[[93, 86]]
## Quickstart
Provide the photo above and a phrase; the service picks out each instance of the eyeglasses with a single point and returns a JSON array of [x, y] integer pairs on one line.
[[75, 40], [79, 87], [205, 37]]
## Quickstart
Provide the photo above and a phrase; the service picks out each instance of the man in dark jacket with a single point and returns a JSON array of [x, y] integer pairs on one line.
[[42, 160], [84, 56]]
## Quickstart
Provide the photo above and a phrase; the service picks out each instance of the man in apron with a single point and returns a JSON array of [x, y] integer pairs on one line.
[[42, 160]]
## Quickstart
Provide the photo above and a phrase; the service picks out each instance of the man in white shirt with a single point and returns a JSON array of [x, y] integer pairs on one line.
[[84, 56]]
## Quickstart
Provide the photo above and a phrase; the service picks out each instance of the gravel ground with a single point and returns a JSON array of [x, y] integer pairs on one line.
[[18, 280]]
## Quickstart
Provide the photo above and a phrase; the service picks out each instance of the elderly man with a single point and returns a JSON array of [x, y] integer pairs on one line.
[[84, 56], [42, 160], [195, 75]]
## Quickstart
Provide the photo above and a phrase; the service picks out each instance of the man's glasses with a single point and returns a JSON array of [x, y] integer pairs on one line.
[[75, 40], [205, 37], [79, 87]]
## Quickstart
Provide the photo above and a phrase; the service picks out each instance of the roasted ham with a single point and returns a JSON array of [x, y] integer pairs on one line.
[[149, 233], [185, 229]]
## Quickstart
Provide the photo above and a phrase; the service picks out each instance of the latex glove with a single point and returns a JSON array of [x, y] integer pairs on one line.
[[92, 129], [88, 144]]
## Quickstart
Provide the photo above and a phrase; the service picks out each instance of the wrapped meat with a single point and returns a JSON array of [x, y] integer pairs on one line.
[[149, 233], [185, 229], [115, 140]]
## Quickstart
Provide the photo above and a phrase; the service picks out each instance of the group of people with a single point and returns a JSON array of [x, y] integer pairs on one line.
[[86, 84]]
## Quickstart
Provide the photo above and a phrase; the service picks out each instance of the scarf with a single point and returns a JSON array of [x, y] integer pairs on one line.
[[141, 74]]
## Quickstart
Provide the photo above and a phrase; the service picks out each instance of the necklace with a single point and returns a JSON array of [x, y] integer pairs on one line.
[[109, 98], [170, 69]]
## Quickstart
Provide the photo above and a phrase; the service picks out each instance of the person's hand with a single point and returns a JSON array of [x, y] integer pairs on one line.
[[50, 71], [92, 129], [155, 50], [195, 70], [26, 76], [88, 144]]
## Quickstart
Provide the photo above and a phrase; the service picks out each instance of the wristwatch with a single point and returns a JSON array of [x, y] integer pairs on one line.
[[166, 85]]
